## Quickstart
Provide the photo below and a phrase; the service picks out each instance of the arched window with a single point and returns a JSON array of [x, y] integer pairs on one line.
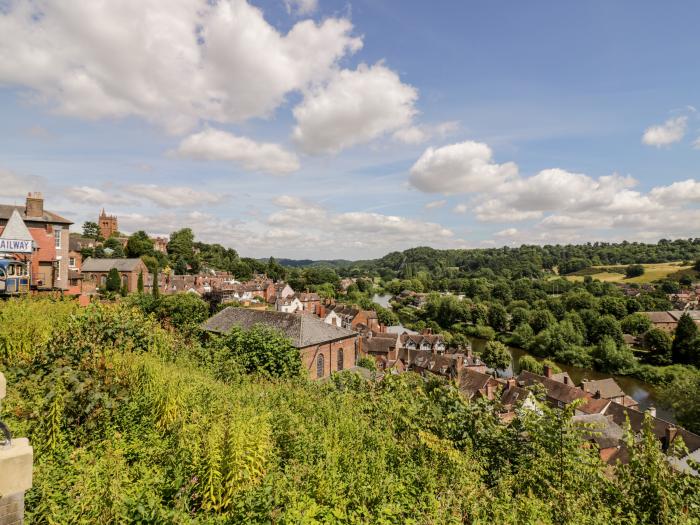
[[319, 365], [340, 359]]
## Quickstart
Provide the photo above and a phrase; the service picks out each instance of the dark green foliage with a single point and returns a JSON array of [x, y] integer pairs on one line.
[[114, 281], [368, 363], [139, 283], [635, 324], [634, 270], [116, 247], [91, 230], [611, 357], [686, 343], [659, 344], [139, 244], [683, 395]]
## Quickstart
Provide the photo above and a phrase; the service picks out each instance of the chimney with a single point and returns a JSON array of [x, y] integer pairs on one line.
[[547, 371], [651, 411], [35, 205], [510, 383], [566, 380], [427, 331], [596, 395], [669, 435]]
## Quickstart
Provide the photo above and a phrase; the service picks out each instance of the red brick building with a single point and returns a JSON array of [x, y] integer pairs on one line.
[[48, 259], [108, 224], [97, 270], [323, 348]]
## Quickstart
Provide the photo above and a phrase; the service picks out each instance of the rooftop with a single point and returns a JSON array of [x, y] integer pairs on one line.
[[303, 330], [48, 216]]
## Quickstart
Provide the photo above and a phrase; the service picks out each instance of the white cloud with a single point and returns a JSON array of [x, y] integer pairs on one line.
[[466, 167], [95, 196], [354, 107], [435, 204], [213, 144], [673, 130], [173, 63], [174, 196], [301, 7], [696, 143], [422, 133], [460, 208], [13, 185], [677, 193], [292, 202], [508, 232]]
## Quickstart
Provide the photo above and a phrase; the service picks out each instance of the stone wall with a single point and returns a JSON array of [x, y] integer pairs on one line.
[[16, 460]]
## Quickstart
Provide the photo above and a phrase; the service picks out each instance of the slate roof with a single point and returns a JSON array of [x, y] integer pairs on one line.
[[599, 428], [303, 330], [620, 414], [514, 394], [608, 388], [378, 344], [48, 216], [104, 265]]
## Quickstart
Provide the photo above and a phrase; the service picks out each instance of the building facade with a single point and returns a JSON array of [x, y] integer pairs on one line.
[[108, 224], [47, 257]]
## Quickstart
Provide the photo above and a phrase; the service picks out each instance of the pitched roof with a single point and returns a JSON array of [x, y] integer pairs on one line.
[[48, 216], [303, 330], [599, 428], [608, 388], [104, 265], [378, 344], [16, 229], [472, 382], [555, 390], [659, 317], [514, 394]]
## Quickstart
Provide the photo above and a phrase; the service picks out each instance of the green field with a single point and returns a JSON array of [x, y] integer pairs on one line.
[[652, 272]]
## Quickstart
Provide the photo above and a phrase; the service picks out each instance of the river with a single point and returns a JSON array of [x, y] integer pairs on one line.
[[382, 300], [643, 393]]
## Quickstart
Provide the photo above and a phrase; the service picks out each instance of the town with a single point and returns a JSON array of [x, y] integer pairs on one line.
[[330, 335]]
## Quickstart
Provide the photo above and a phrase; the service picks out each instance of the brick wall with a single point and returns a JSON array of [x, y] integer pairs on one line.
[[329, 353]]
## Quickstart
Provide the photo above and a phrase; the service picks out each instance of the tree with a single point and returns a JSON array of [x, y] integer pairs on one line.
[[496, 355], [635, 324], [115, 245], [610, 357], [139, 283], [275, 270], [264, 351], [634, 270], [498, 317], [91, 230], [184, 311], [541, 319], [156, 288], [613, 305], [659, 343], [114, 281], [683, 395], [139, 244], [606, 326], [686, 344], [529, 363]]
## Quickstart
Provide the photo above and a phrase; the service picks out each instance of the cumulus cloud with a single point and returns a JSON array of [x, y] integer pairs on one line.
[[466, 167], [213, 144], [673, 130], [460, 208], [353, 107], [508, 232], [678, 192], [14, 185], [173, 63], [173, 196]]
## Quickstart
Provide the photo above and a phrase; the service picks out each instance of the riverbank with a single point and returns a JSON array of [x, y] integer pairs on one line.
[[644, 393]]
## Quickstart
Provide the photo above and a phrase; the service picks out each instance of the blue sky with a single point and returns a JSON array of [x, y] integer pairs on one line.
[[323, 129]]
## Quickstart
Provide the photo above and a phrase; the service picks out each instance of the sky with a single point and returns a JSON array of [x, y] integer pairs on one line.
[[348, 129]]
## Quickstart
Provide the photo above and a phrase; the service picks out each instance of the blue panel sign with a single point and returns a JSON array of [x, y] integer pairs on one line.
[[15, 246]]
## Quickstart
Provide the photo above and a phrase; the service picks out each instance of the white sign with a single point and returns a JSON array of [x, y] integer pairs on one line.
[[15, 246]]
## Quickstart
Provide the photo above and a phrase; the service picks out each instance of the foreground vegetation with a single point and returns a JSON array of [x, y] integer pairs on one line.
[[137, 420]]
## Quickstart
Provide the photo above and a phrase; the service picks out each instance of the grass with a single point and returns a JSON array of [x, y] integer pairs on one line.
[[652, 272]]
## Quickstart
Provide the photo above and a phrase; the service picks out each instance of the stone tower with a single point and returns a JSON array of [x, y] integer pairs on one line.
[[108, 224]]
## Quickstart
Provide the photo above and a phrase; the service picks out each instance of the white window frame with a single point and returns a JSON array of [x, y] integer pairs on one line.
[[57, 230]]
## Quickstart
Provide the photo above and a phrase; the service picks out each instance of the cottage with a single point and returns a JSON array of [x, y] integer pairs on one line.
[[97, 270], [608, 389], [290, 305], [324, 348]]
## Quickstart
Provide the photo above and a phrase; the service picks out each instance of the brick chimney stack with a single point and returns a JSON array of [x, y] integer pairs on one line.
[[34, 205], [547, 371], [669, 435]]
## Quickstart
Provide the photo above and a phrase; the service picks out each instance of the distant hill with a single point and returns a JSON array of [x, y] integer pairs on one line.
[[309, 263]]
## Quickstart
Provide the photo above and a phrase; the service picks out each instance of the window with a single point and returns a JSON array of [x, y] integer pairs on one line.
[[340, 359], [57, 237], [11, 270], [58, 270], [71, 262], [319, 366]]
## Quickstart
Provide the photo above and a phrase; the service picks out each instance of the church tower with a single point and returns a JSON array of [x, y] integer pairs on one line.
[[108, 224]]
